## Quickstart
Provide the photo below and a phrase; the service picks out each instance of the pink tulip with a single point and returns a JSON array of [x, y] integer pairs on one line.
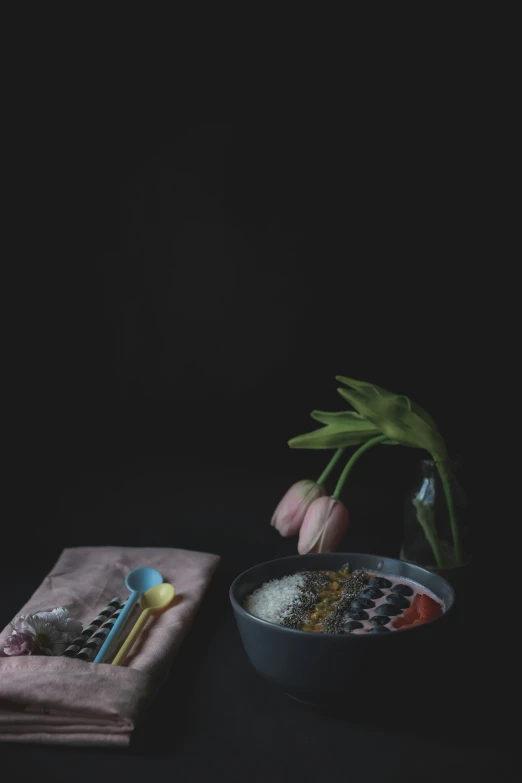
[[290, 513], [324, 525]]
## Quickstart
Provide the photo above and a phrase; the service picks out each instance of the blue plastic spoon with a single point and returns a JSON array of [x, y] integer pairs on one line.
[[138, 582]]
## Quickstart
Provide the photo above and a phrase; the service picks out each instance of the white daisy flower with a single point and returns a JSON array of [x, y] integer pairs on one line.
[[45, 632]]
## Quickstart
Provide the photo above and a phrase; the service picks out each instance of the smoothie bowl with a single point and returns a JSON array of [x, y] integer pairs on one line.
[[325, 626]]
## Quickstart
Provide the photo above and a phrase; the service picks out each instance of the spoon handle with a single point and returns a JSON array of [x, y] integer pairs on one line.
[[111, 638], [129, 641]]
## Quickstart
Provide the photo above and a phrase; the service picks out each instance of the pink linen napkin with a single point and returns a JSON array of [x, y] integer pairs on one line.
[[63, 700]]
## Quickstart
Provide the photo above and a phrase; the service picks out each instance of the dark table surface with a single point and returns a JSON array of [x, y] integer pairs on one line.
[[214, 715]]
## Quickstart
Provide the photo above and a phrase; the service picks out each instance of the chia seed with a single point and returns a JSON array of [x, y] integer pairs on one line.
[[334, 623], [314, 582]]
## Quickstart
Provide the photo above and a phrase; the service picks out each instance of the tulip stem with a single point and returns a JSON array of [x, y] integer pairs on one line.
[[331, 465], [353, 459], [448, 491], [426, 519]]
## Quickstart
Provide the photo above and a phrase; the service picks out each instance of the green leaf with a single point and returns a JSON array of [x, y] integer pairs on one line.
[[395, 415], [350, 419], [422, 413], [363, 386], [333, 436], [400, 399]]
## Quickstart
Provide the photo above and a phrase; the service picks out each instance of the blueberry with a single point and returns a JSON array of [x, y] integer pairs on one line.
[[388, 609], [379, 629], [402, 589], [371, 592], [379, 619], [398, 600], [352, 625], [362, 603], [379, 581], [358, 614]]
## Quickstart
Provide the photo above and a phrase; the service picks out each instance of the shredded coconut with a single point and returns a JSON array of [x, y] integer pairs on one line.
[[273, 601]]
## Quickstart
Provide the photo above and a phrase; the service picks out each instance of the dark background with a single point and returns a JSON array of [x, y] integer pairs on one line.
[[192, 301]]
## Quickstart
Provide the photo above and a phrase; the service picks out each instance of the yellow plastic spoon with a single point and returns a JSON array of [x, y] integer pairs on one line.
[[158, 597]]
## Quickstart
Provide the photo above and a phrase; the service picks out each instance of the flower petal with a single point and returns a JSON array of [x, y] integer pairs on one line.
[[290, 513], [324, 526]]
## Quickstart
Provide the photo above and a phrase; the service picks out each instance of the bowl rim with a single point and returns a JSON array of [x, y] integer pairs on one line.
[[326, 635]]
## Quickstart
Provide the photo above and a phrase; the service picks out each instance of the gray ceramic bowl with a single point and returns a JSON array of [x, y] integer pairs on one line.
[[328, 669]]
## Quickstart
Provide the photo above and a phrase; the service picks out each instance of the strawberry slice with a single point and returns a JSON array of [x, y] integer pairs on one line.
[[409, 616], [422, 610], [428, 609]]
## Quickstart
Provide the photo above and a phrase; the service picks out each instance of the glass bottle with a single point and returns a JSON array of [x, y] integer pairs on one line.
[[427, 538]]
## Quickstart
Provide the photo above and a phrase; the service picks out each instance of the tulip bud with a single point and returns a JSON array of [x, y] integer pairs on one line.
[[290, 513], [324, 525]]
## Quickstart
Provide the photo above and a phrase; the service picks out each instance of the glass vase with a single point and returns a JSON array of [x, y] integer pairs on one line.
[[428, 537]]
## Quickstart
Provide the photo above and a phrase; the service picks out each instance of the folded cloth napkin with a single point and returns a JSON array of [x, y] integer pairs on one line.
[[57, 699]]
